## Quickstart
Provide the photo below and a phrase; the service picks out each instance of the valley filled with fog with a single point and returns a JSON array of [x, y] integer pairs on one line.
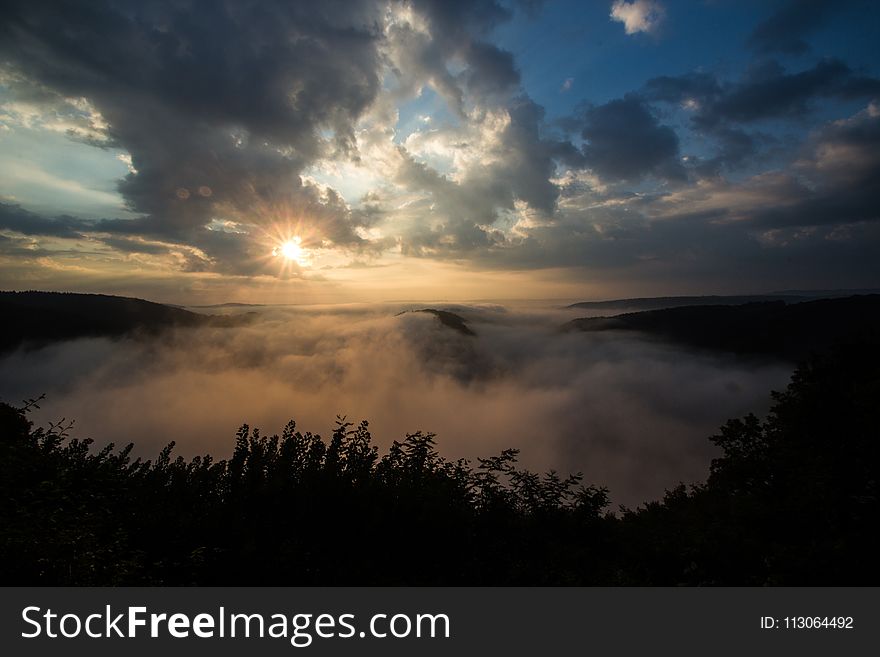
[[631, 413]]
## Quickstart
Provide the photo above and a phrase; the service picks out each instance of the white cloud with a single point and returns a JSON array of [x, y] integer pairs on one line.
[[566, 86], [125, 158], [639, 15]]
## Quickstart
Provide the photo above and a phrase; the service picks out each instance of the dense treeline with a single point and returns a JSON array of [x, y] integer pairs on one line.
[[792, 499]]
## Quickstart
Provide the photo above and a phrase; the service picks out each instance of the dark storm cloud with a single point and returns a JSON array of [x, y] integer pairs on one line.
[[680, 252], [220, 104], [769, 91], [223, 106], [785, 30], [221, 62], [19, 220], [840, 171], [627, 142], [676, 88], [829, 191], [532, 156], [827, 196], [458, 30], [490, 69], [766, 92], [736, 147], [458, 20], [815, 215], [816, 219]]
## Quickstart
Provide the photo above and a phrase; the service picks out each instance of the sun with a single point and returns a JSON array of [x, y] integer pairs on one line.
[[292, 250]]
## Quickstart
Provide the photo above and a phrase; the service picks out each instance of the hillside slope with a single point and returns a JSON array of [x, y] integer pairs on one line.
[[38, 318], [788, 331]]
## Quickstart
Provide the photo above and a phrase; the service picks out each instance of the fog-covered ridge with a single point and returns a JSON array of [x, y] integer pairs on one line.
[[630, 413]]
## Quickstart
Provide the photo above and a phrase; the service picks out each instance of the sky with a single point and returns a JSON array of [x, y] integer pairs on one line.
[[375, 150]]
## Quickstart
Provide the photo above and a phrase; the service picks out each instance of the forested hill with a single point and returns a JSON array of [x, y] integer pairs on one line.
[[448, 319], [657, 303], [788, 331], [37, 318]]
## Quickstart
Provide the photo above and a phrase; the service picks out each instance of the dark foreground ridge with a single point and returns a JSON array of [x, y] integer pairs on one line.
[[778, 329], [792, 499], [39, 318]]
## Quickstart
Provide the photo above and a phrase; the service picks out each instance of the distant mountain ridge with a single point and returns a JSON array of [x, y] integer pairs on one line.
[[230, 304], [772, 328], [657, 303], [38, 318], [830, 294]]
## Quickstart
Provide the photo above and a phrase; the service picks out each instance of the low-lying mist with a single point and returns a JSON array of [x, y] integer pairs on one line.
[[629, 413]]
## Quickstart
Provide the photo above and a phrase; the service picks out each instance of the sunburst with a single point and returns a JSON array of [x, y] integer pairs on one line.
[[293, 251]]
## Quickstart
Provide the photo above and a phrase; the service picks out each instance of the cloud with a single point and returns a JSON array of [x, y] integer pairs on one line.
[[767, 91], [222, 97], [210, 96], [833, 182], [529, 158], [134, 245], [503, 159], [244, 122], [770, 92], [721, 110], [491, 70], [814, 218], [28, 103], [638, 15], [784, 30], [17, 219], [295, 118], [625, 141], [736, 148], [424, 37]]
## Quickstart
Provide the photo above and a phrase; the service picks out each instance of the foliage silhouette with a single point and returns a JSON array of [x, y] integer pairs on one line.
[[792, 499]]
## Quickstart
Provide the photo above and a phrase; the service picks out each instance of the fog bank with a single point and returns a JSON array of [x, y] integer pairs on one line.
[[629, 413]]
